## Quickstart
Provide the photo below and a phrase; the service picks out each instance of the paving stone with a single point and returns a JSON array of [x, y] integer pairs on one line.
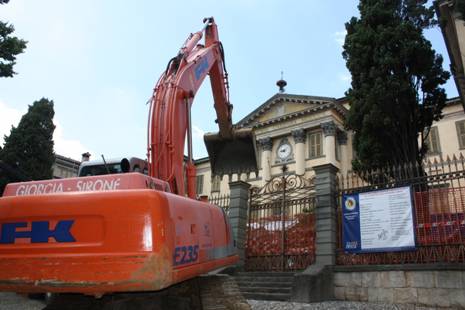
[[423, 279], [393, 279], [457, 298], [386, 295], [371, 279], [355, 279], [448, 279], [406, 295], [364, 294], [373, 293], [342, 278], [434, 297], [425, 296], [339, 292], [441, 297], [352, 293]]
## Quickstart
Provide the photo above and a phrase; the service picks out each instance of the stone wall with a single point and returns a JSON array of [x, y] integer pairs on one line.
[[437, 287]]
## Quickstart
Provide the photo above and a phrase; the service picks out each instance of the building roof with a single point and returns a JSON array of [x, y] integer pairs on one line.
[[449, 28], [315, 104], [67, 162]]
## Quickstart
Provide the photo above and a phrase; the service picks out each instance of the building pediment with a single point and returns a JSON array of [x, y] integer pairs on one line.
[[285, 106]]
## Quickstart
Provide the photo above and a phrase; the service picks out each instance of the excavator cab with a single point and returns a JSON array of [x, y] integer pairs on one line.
[[232, 155]]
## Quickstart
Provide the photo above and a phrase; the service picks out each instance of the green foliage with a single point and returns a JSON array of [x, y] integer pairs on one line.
[[29, 147], [9, 48], [396, 74], [460, 7]]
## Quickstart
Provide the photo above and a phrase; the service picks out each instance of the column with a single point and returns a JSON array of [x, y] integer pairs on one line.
[[266, 144], [329, 131], [326, 223], [239, 200], [316, 283], [299, 139], [342, 141]]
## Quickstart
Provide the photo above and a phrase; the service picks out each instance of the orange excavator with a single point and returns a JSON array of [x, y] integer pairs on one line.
[[128, 231]]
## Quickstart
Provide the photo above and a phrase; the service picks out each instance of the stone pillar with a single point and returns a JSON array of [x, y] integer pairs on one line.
[[299, 139], [316, 283], [266, 145], [342, 141], [326, 222], [238, 208], [329, 131]]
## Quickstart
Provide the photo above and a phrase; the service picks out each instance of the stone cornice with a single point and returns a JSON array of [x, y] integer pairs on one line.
[[278, 98], [326, 106]]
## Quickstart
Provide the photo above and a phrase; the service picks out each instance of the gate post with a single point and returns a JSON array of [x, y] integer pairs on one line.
[[316, 282], [238, 205], [326, 217]]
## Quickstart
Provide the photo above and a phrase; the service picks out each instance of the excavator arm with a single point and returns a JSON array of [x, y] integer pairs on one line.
[[169, 116]]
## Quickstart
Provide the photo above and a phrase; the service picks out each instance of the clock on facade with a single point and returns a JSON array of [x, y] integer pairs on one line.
[[284, 150]]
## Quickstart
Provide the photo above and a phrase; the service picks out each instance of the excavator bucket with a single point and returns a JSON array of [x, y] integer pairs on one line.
[[232, 155]]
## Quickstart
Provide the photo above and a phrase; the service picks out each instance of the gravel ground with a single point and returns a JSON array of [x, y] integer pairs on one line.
[[342, 305], [11, 301]]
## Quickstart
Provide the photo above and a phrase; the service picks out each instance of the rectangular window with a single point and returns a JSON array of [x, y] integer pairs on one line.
[[338, 151], [315, 144], [216, 183], [199, 184], [460, 125], [432, 141]]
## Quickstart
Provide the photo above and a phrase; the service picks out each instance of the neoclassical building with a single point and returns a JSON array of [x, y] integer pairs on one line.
[[302, 132], [306, 131]]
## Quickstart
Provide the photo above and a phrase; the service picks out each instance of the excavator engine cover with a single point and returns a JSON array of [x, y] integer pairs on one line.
[[232, 155]]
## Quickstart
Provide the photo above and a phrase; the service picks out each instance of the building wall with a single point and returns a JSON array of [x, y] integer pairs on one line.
[[65, 167], [427, 286], [447, 130], [277, 131]]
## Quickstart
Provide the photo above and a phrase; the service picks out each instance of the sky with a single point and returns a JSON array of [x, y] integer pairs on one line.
[[99, 61]]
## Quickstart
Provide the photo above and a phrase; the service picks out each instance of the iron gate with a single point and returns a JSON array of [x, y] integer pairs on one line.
[[281, 225]]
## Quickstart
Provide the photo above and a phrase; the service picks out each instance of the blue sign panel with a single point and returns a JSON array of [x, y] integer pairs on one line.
[[378, 221], [351, 223]]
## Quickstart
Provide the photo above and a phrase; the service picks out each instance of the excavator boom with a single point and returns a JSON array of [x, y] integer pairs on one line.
[[169, 118]]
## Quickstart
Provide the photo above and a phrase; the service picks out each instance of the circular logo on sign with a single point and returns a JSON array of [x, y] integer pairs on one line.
[[350, 203]]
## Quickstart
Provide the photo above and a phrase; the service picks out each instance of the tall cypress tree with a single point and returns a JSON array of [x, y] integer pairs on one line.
[[460, 8], [396, 76], [29, 147]]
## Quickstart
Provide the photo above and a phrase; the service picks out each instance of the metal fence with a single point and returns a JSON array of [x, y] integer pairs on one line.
[[221, 201], [281, 225], [438, 188]]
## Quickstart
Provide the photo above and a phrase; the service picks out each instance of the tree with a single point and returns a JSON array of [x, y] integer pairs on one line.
[[460, 7], [29, 147], [9, 47], [396, 76]]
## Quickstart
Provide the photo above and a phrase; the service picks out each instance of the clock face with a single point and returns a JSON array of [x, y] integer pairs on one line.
[[284, 151]]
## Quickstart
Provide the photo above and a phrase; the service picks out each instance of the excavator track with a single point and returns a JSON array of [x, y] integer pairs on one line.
[[209, 292]]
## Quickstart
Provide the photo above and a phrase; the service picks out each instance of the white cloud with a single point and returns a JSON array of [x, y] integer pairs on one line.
[[66, 147], [339, 36], [197, 132], [8, 117], [345, 77]]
